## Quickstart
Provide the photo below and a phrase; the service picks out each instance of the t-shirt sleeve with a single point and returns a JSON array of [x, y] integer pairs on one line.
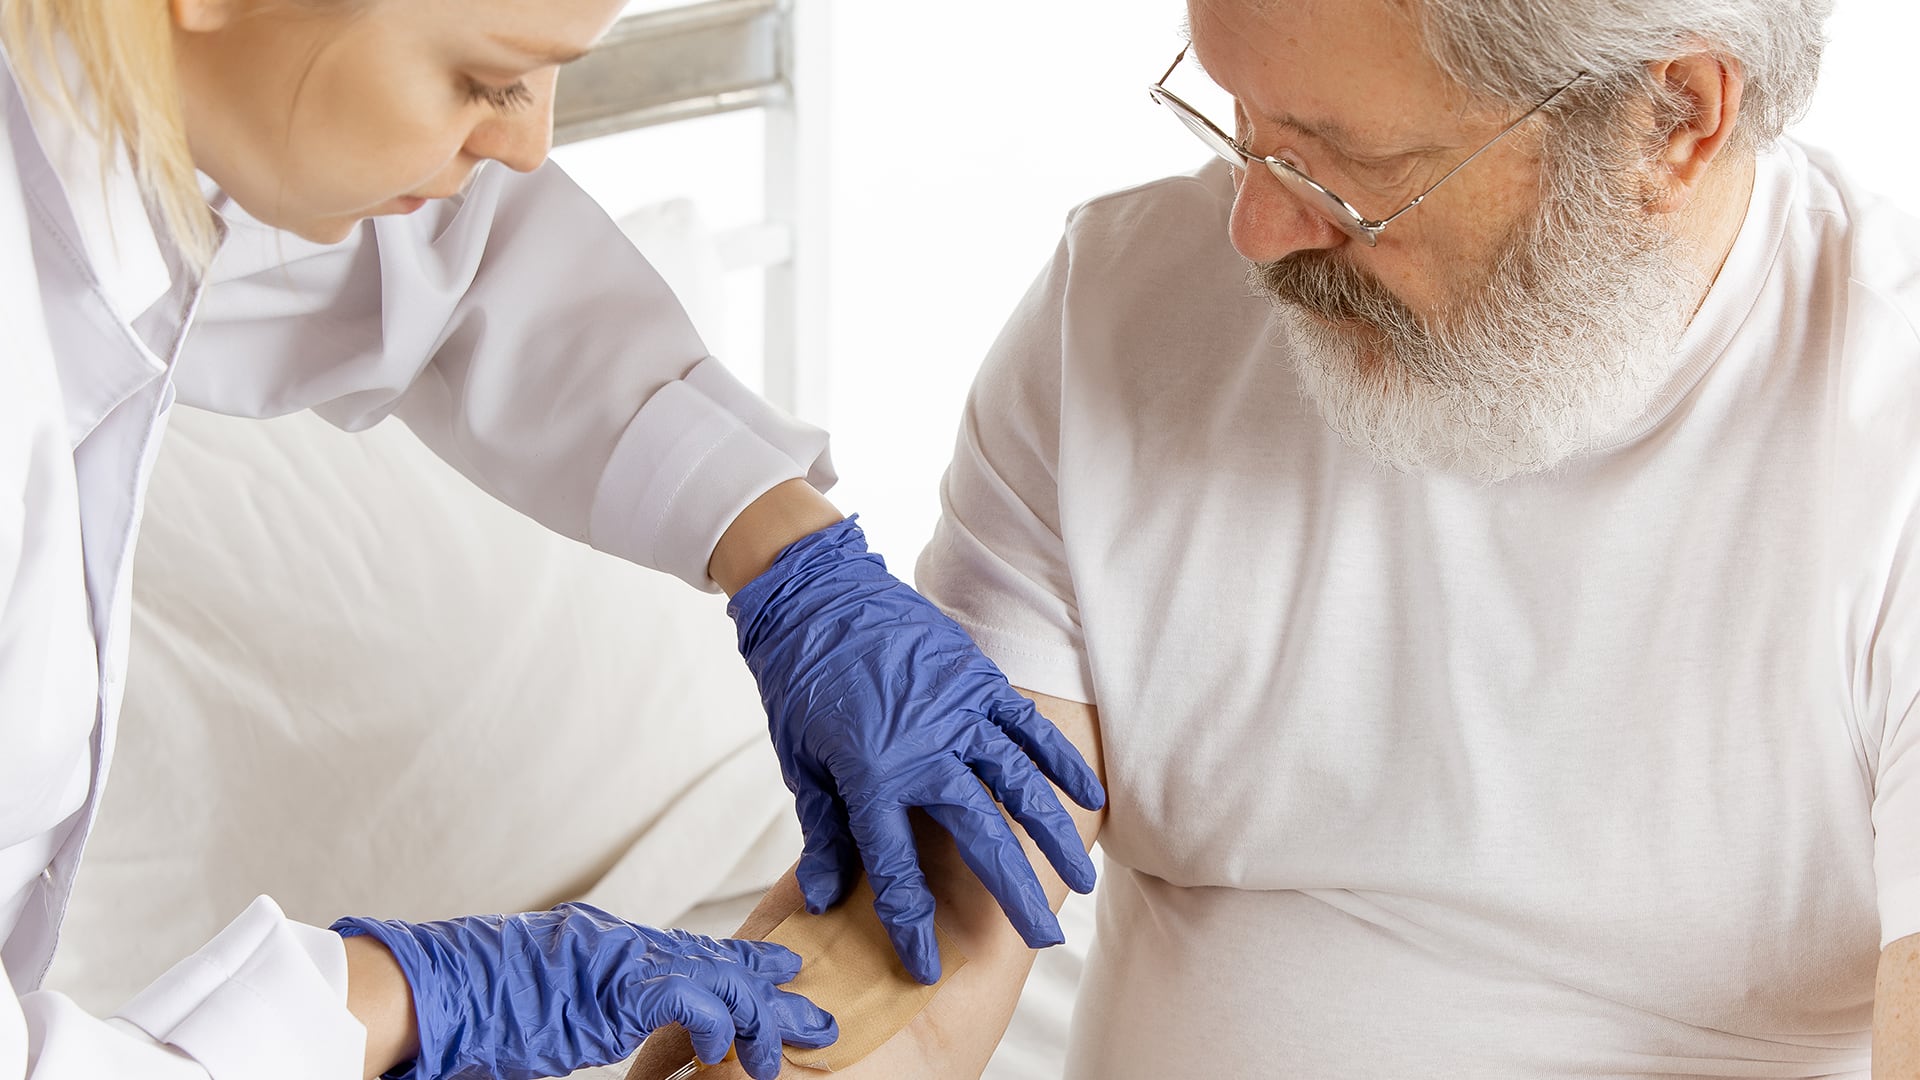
[[1893, 666], [997, 561], [1883, 432], [1896, 824]]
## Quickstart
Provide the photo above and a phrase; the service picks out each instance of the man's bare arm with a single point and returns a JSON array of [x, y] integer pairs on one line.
[[956, 1033], [1896, 1012]]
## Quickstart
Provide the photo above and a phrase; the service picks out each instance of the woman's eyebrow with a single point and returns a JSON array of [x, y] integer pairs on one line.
[[546, 54]]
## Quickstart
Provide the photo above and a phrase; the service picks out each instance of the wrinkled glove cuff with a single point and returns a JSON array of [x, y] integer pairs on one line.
[[766, 605], [414, 963]]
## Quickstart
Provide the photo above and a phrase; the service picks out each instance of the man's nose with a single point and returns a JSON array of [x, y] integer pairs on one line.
[[1270, 222]]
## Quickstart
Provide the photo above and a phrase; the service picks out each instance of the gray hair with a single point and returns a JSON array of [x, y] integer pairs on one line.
[[1513, 53]]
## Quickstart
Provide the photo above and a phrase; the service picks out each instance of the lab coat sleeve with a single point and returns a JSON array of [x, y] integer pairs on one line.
[[522, 336], [266, 997]]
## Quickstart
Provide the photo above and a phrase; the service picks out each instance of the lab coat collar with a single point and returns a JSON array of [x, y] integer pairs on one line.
[[103, 196]]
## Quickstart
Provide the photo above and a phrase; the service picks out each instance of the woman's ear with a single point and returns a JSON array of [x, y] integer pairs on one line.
[[1708, 88]]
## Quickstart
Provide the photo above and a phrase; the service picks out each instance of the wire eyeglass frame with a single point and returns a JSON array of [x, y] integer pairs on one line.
[[1338, 210]]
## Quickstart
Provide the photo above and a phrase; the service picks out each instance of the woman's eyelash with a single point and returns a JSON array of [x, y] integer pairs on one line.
[[503, 98]]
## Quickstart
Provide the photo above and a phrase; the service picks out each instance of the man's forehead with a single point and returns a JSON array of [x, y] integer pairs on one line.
[[1325, 128], [1350, 72]]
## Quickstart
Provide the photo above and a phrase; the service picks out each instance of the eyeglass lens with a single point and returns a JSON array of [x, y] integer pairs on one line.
[[1329, 205], [1216, 140], [1307, 191]]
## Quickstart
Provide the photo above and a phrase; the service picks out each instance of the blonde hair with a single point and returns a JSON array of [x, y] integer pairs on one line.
[[125, 52]]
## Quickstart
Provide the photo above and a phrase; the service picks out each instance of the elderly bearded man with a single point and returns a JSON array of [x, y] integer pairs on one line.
[[1504, 646]]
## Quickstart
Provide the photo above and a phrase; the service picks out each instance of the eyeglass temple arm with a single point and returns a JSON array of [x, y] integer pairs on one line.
[[1176, 63], [1376, 226]]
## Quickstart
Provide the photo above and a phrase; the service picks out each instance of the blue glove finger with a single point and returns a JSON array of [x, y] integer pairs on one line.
[[1030, 799], [900, 895], [828, 862], [803, 1023], [757, 1041], [1014, 714], [775, 963], [800, 1021], [995, 857], [677, 942], [677, 998]]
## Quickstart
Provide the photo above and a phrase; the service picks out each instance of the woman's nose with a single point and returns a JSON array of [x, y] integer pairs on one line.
[[1269, 221], [519, 139]]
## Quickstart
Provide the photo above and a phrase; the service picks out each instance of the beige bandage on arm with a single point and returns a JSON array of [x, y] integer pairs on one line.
[[850, 970]]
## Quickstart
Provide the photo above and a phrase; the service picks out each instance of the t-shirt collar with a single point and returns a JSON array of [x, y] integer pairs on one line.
[[1735, 291]]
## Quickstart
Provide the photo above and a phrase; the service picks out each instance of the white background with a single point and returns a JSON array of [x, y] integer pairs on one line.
[[959, 136]]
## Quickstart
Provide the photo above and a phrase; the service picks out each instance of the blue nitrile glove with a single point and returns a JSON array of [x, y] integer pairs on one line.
[[549, 992], [878, 703]]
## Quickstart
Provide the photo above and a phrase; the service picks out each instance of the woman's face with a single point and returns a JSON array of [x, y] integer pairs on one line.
[[314, 115]]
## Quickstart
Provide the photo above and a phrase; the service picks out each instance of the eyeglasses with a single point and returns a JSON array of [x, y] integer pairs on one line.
[[1333, 207]]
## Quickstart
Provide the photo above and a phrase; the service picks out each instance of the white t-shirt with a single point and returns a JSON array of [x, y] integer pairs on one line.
[[1608, 772]]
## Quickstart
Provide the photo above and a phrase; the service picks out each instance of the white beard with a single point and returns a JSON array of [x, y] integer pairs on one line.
[[1569, 340]]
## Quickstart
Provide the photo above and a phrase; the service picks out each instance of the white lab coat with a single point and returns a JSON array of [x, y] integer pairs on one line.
[[517, 332]]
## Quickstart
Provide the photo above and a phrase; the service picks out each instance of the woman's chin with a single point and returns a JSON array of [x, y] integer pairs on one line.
[[331, 230], [328, 228]]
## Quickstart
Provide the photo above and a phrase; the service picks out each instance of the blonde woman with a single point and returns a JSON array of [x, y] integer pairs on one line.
[[257, 206]]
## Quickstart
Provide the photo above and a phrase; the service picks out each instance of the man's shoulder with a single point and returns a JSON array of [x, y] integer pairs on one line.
[[1134, 256], [1872, 238], [1185, 211], [1855, 287]]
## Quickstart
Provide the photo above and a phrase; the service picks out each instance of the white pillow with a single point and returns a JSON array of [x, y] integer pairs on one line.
[[362, 686]]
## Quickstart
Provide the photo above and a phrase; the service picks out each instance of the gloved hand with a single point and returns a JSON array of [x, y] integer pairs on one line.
[[549, 992], [878, 703]]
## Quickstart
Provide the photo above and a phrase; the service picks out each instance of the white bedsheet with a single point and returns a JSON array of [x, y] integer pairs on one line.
[[401, 698]]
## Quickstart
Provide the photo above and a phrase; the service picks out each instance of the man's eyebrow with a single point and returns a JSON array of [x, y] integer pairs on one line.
[[547, 54], [1334, 134]]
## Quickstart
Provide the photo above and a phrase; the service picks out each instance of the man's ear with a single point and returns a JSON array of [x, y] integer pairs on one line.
[[203, 16], [1708, 89]]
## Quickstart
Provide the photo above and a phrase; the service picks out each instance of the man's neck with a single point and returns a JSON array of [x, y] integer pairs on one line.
[[1709, 226]]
